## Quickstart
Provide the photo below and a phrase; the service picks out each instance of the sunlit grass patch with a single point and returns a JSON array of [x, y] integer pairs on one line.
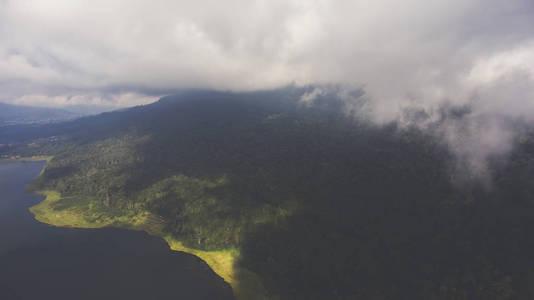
[[47, 212], [245, 284], [221, 261]]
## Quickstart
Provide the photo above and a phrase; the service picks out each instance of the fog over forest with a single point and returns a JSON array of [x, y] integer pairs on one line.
[[410, 62]]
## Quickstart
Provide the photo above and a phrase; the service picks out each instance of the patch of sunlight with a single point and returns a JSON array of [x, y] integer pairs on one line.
[[245, 284]]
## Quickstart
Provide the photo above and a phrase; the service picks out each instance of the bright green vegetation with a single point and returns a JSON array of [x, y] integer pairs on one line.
[[81, 213], [246, 284], [84, 213], [293, 202]]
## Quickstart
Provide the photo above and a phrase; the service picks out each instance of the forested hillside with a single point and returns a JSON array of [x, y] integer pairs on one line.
[[318, 204]]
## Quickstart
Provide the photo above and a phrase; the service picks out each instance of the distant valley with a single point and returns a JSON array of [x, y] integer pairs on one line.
[[17, 115], [31, 115]]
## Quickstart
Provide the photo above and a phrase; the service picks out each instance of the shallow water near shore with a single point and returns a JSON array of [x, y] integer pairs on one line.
[[39, 261]]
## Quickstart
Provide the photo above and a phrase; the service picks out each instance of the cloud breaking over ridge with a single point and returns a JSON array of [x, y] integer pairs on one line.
[[414, 50], [403, 54]]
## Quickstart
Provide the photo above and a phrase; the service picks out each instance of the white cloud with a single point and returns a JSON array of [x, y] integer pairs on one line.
[[398, 50], [309, 98], [405, 54]]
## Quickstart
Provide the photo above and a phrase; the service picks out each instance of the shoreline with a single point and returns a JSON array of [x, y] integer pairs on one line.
[[245, 284]]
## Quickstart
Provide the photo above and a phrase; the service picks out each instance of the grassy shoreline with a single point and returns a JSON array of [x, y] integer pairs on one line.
[[245, 284]]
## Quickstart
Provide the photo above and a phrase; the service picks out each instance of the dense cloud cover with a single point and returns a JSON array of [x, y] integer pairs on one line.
[[410, 54]]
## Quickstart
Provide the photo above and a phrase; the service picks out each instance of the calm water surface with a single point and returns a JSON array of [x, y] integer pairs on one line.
[[38, 261]]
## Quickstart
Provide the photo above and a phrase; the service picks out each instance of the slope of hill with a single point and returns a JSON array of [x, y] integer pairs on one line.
[[287, 201]]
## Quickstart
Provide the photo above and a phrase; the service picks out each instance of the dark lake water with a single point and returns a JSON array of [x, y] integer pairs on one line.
[[38, 261]]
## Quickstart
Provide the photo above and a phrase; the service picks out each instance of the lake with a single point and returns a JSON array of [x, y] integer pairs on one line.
[[38, 261]]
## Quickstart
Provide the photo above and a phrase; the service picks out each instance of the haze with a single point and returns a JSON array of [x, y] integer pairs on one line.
[[409, 55]]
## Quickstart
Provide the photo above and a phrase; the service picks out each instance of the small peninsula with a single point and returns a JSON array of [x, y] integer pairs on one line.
[[80, 214]]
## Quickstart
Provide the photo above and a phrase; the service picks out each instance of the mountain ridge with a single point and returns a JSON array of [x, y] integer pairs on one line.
[[315, 203]]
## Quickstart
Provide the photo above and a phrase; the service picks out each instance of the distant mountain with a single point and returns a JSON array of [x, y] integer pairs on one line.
[[293, 201], [87, 110], [16, 115]]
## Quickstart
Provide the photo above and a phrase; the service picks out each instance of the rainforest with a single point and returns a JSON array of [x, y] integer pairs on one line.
[[291, 201]]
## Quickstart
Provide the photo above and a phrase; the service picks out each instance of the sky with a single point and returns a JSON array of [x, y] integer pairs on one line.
[[411, 54]]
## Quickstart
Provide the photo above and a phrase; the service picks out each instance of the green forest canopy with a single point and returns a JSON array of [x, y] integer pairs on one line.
[[320, 206]]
